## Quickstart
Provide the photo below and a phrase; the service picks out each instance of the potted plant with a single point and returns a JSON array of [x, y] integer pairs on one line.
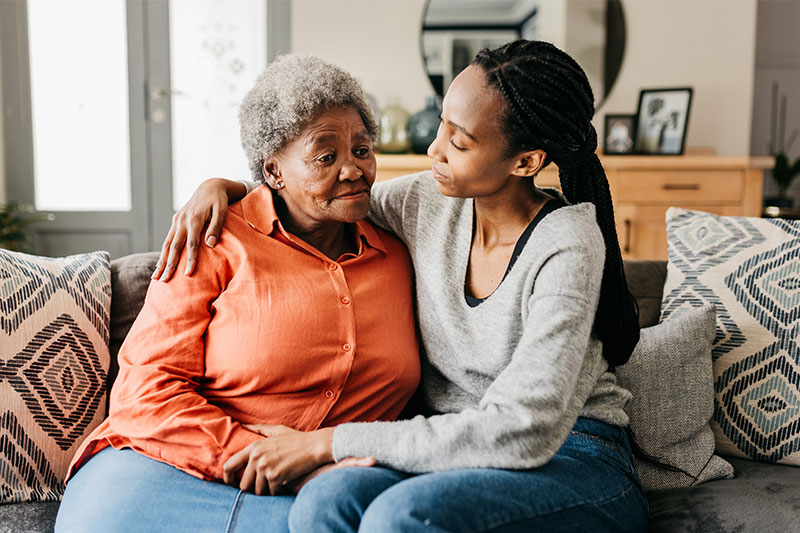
[[785, 171], [14, 218]]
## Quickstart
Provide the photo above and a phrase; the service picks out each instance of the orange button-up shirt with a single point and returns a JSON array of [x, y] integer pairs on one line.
[[268, 329]]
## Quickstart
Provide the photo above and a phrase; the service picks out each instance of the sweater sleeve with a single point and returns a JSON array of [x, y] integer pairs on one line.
[[390, 202], [155, 401], [527, 412]]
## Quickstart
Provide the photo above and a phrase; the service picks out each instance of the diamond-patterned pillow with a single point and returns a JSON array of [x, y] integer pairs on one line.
[[749, 268], [54, 316]]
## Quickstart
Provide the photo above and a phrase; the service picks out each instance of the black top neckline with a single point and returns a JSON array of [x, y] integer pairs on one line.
[[549, 206]]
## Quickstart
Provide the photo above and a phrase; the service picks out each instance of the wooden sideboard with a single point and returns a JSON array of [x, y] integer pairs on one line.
[[643, 187]]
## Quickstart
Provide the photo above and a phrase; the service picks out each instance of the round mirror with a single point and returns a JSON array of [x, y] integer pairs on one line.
[[591, 31]]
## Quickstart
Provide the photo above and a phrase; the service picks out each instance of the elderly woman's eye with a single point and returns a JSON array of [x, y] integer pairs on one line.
[[326, 158], [362, 151]]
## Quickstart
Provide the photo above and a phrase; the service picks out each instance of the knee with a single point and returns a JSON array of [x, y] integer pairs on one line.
[[335, 501], [399, 510]]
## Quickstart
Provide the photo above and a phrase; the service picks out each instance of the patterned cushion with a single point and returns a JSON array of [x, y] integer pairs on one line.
[[669, 375], [53, 365], [749, 268]]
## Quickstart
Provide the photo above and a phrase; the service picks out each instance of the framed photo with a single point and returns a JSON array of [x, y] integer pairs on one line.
[[620, 132], [662, 121]]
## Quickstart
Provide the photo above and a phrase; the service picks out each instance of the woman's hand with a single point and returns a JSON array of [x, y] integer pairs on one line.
[[209, 202], [286, 454]]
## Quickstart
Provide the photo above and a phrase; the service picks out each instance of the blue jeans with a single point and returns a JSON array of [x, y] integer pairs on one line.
[[121, 491], [589, 485]]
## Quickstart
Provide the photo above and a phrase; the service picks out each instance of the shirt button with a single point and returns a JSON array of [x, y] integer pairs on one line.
[[329, 393], [347, 347], [345, 300], [333, 266]]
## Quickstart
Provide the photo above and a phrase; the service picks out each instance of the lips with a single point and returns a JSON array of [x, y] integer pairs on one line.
[[352, 194], [438, 176]]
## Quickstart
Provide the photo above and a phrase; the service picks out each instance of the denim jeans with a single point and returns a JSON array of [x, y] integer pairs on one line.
[[589, 485], [121, 491]]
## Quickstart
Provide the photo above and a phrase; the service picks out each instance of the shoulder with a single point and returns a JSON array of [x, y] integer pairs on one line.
[[412, 187], [396, 251], [570, 236], [574, 225]]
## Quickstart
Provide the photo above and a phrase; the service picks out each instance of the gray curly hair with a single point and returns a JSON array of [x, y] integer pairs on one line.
[[290, 94]]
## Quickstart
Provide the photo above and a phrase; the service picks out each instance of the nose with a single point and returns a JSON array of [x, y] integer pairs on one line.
[[435, 151], [350, 171]]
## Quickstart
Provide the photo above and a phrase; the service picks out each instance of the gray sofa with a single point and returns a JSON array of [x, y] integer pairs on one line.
[[761, 497]]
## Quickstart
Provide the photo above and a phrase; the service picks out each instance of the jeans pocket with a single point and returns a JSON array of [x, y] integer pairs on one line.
[[611, 450]]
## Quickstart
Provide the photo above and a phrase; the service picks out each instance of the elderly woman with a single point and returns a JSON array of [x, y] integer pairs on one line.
[[302, 316]]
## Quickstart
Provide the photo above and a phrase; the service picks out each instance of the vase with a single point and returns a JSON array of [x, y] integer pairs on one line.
[[423, 125], [393, 137]]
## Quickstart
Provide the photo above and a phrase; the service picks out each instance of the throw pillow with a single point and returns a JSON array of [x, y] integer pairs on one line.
[[669, 375], [54, 316], [749, 268]]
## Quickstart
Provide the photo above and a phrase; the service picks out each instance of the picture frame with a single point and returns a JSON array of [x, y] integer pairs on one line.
[[662, 121], [619, 134]]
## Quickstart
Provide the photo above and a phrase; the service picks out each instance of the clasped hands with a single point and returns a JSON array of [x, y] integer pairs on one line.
[[285, 460]]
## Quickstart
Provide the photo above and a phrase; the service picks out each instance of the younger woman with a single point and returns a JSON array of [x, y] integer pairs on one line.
[[523, 308]]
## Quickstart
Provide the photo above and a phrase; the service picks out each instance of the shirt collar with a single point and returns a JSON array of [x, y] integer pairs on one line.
[[258, 209]]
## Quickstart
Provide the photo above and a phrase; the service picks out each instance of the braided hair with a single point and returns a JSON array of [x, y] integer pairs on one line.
[[550, 107]]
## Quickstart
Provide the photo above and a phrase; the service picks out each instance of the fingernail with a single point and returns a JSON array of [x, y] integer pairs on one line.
[[188, 268], [211, 241], [154, 275]]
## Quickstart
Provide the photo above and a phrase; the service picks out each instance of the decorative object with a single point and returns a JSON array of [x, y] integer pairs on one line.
[[423, 125], [14, 218], [749, 268], [785, 171], [619, 134], [594, 32], [670, 377], [393, 137], [54, 333], [662, 121]]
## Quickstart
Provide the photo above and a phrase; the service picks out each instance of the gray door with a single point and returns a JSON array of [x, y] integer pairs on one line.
[[182, 66], [120, 230]]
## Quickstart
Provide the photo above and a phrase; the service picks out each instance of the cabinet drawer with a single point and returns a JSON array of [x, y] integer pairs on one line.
[[642, 230], [670, 187]]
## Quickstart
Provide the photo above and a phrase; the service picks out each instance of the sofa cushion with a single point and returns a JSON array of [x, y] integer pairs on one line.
[[749, 268], [761, 497], [646, 283], [54, 329], [130, 278], [29, 516], [669, 376]]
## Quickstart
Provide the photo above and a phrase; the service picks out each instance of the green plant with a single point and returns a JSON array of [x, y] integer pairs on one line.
[[14, 218], [785, 171]]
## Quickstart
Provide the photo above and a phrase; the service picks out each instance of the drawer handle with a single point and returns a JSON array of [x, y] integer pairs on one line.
[[627, 236], [681, 187]]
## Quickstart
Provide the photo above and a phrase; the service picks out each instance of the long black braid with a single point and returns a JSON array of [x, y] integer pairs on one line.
[[550, 107]]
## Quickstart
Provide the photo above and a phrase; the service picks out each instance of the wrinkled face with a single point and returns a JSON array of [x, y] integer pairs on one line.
[[327, 170], [468, 153]]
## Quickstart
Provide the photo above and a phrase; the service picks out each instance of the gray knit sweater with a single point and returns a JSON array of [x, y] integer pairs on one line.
[[510, 376]]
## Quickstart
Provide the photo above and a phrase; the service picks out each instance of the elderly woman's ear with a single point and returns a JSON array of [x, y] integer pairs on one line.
[[271, 175]]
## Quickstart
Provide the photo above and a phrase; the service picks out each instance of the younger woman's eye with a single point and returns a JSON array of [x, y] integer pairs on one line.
[[457, 147]]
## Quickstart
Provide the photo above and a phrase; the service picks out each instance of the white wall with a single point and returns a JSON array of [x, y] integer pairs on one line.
[[378, 41], [705, 44]]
